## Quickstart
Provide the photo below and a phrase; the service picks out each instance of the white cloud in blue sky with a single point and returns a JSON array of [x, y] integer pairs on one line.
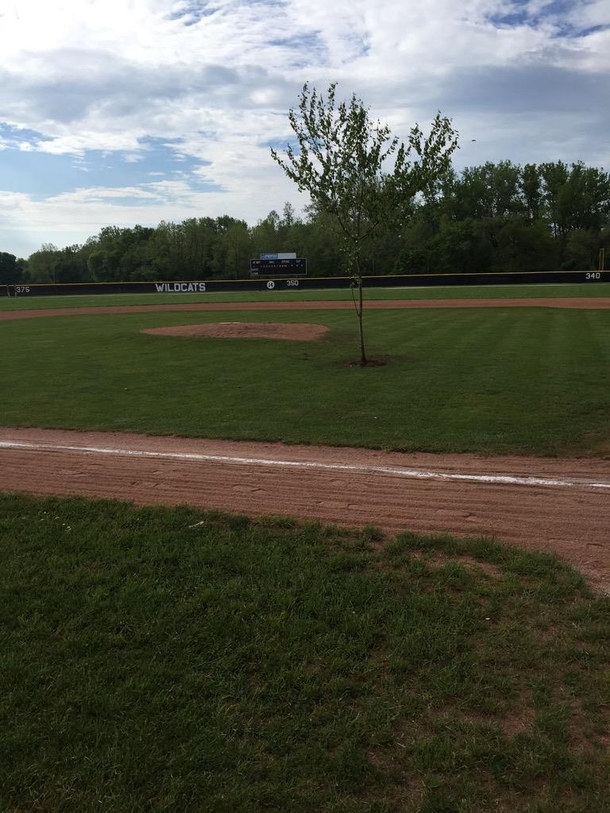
[[133, 111]]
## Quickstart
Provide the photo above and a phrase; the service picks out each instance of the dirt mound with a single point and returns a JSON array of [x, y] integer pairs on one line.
[[291, 331]]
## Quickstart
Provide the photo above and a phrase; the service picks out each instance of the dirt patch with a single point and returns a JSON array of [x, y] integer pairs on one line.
[[291, 331], [581, 303], [476, 565], [381, 362]]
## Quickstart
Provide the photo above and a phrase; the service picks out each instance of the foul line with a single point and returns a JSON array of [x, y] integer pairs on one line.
[[414, 474]]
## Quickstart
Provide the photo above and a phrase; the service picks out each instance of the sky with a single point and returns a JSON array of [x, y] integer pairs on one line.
[[117, 112]]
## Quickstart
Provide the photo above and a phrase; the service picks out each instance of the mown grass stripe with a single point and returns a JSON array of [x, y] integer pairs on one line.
[[493, 382]]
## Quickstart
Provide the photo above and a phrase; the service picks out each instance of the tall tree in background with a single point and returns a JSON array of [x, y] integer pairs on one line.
[[10, 271], [340, 162]]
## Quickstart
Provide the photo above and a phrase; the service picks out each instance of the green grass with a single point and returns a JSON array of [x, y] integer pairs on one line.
[[529, 380], [596, 289], [169, 660]]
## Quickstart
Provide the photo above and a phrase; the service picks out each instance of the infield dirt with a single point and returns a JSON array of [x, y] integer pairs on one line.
[[292, 331]]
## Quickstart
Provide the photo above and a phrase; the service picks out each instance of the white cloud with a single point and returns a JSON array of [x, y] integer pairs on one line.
[[216, 78]]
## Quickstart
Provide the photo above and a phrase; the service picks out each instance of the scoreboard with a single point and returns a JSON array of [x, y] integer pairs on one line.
[[280, 268]]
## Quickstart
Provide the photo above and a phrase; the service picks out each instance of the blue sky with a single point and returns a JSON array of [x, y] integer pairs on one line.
[[116, 112], [40, 175]]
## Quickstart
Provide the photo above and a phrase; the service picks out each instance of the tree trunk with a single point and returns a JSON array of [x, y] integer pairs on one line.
[[360, 325], [360, 309]]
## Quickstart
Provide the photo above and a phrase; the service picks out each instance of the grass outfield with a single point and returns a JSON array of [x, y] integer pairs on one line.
[[169, 660], [595, 289], [530, 381]]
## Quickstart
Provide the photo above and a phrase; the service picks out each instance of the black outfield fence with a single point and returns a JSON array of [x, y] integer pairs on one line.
[[307, 283]]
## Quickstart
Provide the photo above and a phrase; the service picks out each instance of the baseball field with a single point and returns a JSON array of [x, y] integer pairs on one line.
[[311, 585]]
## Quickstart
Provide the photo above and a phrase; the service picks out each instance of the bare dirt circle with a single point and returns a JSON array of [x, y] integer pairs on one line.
[[291, 331]]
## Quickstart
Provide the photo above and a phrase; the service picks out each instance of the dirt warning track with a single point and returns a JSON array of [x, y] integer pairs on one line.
[[581, 303], [543, 504]]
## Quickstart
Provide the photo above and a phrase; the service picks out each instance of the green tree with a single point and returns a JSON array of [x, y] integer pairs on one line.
[[70, 266], [462, 246], [581, 251], [523, 246], [24, 273], [41, 264], [9, 270], [265, 235], [555, 178], [531, 190], [487, 191], [317, 241], [339, 160], [236, 240]]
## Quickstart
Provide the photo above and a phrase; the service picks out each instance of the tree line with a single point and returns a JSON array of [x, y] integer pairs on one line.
[[494, 217]]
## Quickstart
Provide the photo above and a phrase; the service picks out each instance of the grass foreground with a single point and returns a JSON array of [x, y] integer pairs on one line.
[[172, 660]]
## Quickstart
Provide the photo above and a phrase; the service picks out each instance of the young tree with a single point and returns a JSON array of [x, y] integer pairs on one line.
[[340, 161]]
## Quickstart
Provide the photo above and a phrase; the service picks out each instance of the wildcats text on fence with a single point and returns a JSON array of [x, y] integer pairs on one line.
[[179, 287], [286, 282]]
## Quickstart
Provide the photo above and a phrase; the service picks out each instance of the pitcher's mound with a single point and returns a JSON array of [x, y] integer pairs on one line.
[[298, 332]]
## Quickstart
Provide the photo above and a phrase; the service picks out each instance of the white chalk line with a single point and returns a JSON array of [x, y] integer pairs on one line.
[[414, 474]]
